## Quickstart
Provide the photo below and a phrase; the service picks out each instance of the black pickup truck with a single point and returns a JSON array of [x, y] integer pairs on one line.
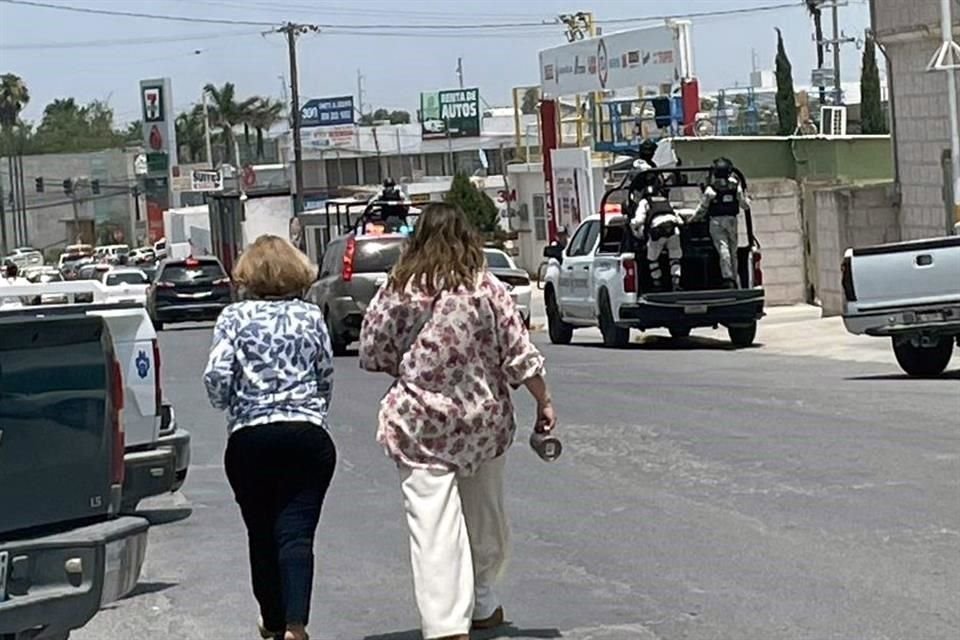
[[64, 552]]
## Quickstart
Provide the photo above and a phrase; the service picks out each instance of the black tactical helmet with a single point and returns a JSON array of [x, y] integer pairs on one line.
[[722, 168], [648, 148]]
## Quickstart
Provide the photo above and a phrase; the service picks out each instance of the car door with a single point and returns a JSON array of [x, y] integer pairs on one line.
[[566, 284], [581, 300]]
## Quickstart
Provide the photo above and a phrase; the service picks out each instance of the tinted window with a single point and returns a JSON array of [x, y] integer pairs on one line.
[[584, 239], [131, 277], [377, 256], [182, 273], [497, 260], [45, 277]]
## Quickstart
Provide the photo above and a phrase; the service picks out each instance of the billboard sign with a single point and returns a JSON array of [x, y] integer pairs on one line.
[[452, 113], [206, 180], [327, 112], [318, 139], [647, 57]]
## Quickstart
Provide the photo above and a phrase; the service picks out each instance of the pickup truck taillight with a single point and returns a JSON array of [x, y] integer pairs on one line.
[[757, 269], [629, 276], [157, 392], [846, 279], [116, 423], [348, 256]]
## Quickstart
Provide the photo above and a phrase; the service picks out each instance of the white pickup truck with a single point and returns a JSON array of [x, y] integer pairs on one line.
[[157, 451], [908, 292], [601, 279]]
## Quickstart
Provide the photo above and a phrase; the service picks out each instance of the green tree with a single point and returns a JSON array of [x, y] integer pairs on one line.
[[384, 115], [478, 207], [134, 132], [191, 135], [226, 113], [872, 119], [68, 127], [530, 102], [266, 113], [14, 97], [786, 99]]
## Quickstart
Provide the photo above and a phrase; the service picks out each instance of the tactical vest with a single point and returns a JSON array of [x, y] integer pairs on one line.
[[725, 202], [660, 207]]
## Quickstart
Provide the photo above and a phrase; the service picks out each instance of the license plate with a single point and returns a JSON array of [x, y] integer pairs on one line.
[[695, 309], [4, 565], [930, 316]]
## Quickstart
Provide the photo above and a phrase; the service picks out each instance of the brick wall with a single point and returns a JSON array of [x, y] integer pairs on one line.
[[849, 217], [776, 208]]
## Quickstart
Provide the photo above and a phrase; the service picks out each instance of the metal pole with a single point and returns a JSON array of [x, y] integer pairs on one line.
[[3, 223], [206, 130], [460, 71], [838, 92], [946, 27], [295, 120], [76, 213], [25, 233]]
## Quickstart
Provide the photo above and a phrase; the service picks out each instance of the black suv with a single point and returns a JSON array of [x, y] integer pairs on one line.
[[189, 289]]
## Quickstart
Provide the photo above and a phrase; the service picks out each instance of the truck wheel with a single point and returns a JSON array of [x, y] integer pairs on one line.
[[923, 361], [613, 336], [679, 332], [336, 340], [560, 332], [742, 336]]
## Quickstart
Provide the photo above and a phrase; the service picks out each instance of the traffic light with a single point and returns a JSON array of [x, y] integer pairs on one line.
[[95, 187], [68, 186], [39, 183]]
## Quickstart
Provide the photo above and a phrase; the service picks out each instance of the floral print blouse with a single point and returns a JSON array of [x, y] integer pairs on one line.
[[455, 357]]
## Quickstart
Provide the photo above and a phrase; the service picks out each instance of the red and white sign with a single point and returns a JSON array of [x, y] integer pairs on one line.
[[249, 177], [638, 58], [152, 104], [318, 139]]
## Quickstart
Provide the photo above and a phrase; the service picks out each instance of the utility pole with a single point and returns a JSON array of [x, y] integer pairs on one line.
[[3, 224], [460, 71], [839, 39], [206, 130], [292, 31], [360, 93]]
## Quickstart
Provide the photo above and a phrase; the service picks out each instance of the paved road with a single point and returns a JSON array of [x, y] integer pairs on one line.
[[703, 494]]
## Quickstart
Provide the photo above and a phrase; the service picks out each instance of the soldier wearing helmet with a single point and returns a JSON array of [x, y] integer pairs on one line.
[[723, 199]]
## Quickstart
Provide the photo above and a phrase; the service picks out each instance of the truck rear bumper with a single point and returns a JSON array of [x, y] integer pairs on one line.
[[694, 309], [58, 582], [148, 473], [929, 320]]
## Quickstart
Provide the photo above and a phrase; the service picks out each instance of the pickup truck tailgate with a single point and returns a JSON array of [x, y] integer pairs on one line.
[[906, 273]]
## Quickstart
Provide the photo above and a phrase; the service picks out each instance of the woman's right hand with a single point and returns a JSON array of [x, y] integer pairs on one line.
[[546, 417]]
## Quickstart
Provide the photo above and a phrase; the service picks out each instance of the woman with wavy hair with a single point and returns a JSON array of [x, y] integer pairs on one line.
[[449, 334]]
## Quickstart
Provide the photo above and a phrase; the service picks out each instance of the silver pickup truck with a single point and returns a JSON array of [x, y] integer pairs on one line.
[[909, 292]]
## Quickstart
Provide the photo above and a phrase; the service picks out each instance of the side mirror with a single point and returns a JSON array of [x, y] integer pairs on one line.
[[554, 252]]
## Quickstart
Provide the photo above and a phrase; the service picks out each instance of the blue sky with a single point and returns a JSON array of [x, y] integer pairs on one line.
[[53, 51]]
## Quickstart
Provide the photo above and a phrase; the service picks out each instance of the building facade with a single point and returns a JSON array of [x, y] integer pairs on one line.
[[909, 34]]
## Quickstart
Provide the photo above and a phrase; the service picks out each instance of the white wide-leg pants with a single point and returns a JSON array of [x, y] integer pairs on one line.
[[459, 542]]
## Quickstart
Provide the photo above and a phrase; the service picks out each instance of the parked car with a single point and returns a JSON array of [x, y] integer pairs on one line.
[[126, 284], [25, 257], [188, 290], [44, 275], [75, 252], [143, 255], [515, 279], [352, 270], [908, 292], [64, 552]]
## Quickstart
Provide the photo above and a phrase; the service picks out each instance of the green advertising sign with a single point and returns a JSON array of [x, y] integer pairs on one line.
[[454, 113]]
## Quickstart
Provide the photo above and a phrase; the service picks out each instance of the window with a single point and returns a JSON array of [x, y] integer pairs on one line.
[[584, 239], [497, 260], [126, 277], [185, 273], [377, 256], [540, 217]]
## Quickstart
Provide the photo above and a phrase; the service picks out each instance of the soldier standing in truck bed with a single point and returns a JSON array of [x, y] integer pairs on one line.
[[722, 201]]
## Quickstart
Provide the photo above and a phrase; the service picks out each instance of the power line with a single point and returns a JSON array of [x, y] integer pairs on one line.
[[135, 14], [421, 29], [78, 44]]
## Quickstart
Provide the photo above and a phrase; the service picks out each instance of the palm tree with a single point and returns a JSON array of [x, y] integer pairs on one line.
[[227, 113], [813, 8], [265, 114], [190, 133], [14, 96]]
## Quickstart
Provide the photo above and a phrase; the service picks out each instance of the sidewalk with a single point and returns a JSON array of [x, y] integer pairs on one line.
[[789, 330]]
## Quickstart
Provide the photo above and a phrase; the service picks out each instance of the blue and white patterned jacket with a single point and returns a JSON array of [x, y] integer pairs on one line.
[[271, 361]]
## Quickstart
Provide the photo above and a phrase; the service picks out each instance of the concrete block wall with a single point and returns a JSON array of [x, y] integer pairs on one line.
[[921, 120], [849, 217]]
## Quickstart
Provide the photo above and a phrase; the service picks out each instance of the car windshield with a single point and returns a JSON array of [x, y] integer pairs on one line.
[[377, 256], [188, 273], [497, 260], [45, 277], [127, 277]]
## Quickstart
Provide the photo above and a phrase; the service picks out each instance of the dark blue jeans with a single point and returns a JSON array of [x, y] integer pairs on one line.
[[279, 474]]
